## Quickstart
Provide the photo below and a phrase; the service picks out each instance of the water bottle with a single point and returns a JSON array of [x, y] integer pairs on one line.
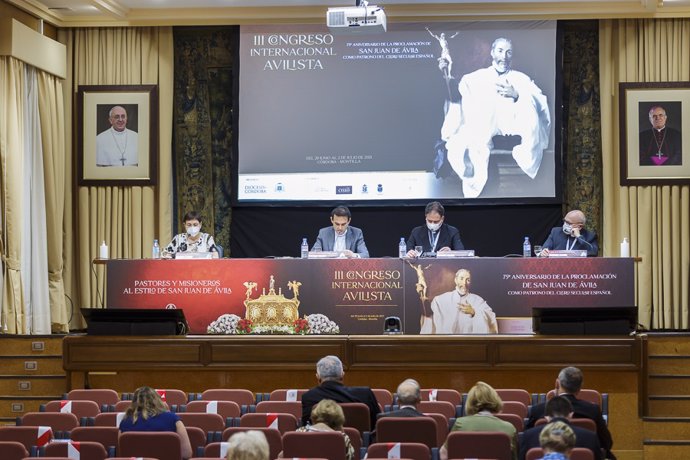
[[625, 248], [402, 248], [304, 249], [156, 251], [526, 248]]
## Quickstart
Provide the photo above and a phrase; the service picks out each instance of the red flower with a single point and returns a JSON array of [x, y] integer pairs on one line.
[[301, 326], [245, 326]]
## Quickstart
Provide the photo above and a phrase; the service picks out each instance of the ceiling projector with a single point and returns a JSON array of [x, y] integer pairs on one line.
[[366, 19]]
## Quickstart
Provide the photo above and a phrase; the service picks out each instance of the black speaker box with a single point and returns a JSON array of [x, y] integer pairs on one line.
[[584, 320], [134, 321]]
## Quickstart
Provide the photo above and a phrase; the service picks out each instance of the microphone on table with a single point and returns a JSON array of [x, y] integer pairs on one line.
[[582, 240]]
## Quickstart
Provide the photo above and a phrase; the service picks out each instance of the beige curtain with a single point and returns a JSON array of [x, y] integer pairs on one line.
[[127, 218], [655, 218], [11, 160]]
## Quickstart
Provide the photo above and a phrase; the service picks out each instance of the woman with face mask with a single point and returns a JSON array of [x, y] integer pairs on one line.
[[435, 236], [193, 240]]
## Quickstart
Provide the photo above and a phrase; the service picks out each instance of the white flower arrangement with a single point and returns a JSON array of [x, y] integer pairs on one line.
[[318, 324]]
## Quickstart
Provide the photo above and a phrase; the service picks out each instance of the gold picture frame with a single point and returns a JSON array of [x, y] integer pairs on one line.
[[654, 156], [117, 141]]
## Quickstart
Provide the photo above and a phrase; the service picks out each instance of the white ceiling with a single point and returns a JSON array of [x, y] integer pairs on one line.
[[67, 13]]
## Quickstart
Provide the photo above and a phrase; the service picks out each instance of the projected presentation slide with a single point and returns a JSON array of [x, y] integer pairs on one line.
[[462, 110]]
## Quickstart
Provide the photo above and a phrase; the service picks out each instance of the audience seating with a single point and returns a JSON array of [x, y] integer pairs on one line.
[[229, 410], [586, 423], [293, 394], [163, 445], [128, 458], [102, 396], [407, 429], [577, 453], [197, 438], [105, 435], [517, 421], [280, 407], [413, 450], [516, 394], [86, 450], [13, 450], [446, 408], [216, 450], [474, 444], [240, 396], [81, 409], [330, 444], [356, 440], [58, 421], [273, 436], [383, 397], [515, 407], [209, 423], [31, 437], [357, 416], [442, 427], [280, 421], [442, 394], [108, 419]]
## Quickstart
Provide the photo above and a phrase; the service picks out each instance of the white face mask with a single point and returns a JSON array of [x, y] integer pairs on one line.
[[193, 230], [567, 228], [434, 227]]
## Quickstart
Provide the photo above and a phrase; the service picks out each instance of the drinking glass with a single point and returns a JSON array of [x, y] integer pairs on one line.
[[418, 250], [537, 250]]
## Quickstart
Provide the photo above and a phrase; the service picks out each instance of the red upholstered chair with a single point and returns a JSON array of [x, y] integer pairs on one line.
[[286, 394], [280, 407], [586, 423], [79, 408], [281, 422], [122, 406], [442, 394], [28, 436], [58, 421], [229, 410], [108, 419], [407, 429], [437, 407], [383, 396], [273, 436], [515, 394], [13, 450], [125, 458], [355, 440], [197, 438], [216, 450], [240, 396], [413, 450], [357, 416], [475, 444], [578, 453], [441, 427], [209, 423], [105, 435], [101, 396], [173, 397], [517, 421], [330, 444], [163, 445], [514, 407], [585, 394], [85, 450]]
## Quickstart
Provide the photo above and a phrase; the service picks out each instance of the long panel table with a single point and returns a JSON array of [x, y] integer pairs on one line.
[[358, 294]]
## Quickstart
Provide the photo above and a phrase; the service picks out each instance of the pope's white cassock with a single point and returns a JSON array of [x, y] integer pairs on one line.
[[117, 148]]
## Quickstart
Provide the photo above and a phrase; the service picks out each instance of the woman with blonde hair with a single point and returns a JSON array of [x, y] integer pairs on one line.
[[148, 413], [327, 415], [557, 439], [248, 445], [481, 405]]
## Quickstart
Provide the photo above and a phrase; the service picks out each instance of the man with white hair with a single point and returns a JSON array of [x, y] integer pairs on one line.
[[330, 375], [409, 395], [117, 145], [572, 235]]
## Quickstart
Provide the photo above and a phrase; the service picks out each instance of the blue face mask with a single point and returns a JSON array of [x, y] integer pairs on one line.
[[567, 228]]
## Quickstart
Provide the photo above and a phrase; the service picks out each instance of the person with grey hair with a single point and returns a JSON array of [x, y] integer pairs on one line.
[[660, 145], [330, 375], [435, 236], [248, 445], [409, 395], [568, 385], [572, 235], [117, 145]]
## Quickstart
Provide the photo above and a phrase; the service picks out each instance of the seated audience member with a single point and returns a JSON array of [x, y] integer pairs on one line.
[[482, 403], [248, 445], [148, 413], [557, 439], [559, 409], [327, 415], [409, 395], [568, 385], [193, 240], [341, 237], [330, 375], [435, 236], [572, 235]]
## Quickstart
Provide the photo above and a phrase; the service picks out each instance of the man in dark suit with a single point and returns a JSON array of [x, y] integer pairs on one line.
[[435, 236], [341, 237], [660, 145], [559, 408], [330, 374], [408, 394], [572, 235], [568, 385]]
